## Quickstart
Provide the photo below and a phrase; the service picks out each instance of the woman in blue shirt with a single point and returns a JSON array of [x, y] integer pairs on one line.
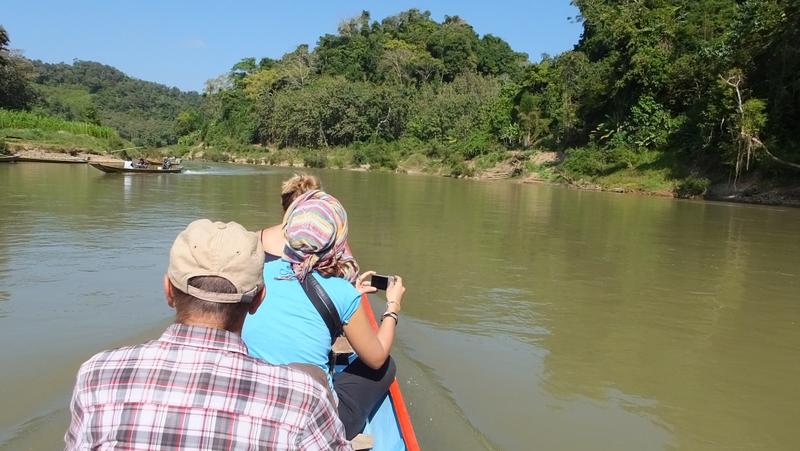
[[288, 328]]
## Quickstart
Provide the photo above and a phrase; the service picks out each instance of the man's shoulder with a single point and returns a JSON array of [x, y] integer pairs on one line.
[[286, 375], [109, 357], [279, 377]]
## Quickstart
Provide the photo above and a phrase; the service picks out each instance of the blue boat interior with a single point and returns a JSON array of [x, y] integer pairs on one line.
[[382, 423]]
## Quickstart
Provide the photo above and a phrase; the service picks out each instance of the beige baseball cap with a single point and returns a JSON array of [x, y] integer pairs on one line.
[[219, 249]]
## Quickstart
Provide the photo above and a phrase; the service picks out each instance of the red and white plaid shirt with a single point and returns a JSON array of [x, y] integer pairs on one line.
[[196, 388]]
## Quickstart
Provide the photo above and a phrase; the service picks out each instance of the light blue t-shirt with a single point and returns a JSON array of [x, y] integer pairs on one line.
[[287, 328]]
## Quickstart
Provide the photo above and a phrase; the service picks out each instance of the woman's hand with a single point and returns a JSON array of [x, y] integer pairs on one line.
[[373, 348], [363, 285], [394, 294]]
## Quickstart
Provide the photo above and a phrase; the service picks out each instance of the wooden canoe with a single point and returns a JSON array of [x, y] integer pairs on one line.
[[389, 426], [8, 158], [119, 169], [51, 160]]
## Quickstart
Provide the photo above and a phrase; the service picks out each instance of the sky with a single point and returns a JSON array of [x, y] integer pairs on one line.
[[184, 43]]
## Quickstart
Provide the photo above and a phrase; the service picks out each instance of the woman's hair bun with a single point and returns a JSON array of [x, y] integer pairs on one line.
[[297, 185]]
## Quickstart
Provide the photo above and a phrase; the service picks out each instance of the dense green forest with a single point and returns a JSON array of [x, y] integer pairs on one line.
[[691, 91]]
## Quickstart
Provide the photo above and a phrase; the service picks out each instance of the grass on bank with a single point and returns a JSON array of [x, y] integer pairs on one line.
[[26, 120], [22, 128], [629, 171], [58, 140], [631, 179]]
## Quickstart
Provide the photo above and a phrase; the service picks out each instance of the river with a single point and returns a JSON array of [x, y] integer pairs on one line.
[[536, 317]]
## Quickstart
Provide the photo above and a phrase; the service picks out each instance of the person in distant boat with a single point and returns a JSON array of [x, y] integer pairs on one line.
[[142, 164], [290, 328], [128, 164], [272, 237], [196, 387], [166, 164]]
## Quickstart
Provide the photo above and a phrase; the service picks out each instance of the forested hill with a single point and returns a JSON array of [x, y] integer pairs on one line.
[[141, 111]]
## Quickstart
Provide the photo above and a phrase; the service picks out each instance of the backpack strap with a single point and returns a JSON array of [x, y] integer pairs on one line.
[[324, 305]]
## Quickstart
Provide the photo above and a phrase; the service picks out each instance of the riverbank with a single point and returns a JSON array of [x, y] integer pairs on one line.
[[523, 167], [59, 141], [529, 167], [79, 150], [66, 156], [646, 179], [746, 191]]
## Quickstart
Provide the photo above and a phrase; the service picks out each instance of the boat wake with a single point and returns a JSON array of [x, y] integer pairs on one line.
[[222, 170]]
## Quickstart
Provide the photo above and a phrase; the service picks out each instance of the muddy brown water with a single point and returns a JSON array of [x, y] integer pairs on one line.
[[536, 317]]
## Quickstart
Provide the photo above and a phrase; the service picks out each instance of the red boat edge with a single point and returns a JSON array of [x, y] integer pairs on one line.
[[396, 395]]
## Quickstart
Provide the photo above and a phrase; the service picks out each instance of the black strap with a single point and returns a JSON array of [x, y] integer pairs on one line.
[[322, 302]]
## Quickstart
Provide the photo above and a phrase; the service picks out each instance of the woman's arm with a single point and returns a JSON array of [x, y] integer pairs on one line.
[[372, 348]]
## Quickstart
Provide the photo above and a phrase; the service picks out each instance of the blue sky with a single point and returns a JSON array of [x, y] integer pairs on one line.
[[184, 43]]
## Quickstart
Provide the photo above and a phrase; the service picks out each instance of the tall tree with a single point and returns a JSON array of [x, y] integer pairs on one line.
[[495, 57], [15, 76], [456, 45]]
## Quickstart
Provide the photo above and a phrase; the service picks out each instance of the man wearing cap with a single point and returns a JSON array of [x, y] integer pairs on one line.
[[196, 387]]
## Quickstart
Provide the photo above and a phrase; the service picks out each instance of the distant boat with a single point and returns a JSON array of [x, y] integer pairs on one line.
[[118, 169], [8, 158]]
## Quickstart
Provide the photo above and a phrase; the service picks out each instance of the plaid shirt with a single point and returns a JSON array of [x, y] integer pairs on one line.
[[196, 388]]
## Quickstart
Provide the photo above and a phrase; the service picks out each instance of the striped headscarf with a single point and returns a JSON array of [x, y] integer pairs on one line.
[[315, 233]]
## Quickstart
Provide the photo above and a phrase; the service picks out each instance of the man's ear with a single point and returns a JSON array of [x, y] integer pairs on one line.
[[169, 292], [257, 300]]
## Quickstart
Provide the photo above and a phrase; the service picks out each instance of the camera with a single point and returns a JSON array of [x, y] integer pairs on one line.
[[380, 282]]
